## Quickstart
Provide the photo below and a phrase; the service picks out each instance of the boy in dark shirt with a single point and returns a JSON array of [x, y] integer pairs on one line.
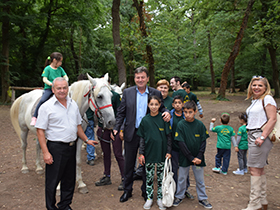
[[191, 135]]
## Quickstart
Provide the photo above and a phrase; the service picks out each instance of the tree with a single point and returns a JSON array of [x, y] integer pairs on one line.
[[117, 41], [235, 51]]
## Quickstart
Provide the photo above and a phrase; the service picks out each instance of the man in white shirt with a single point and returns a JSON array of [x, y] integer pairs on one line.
[[59, 121]]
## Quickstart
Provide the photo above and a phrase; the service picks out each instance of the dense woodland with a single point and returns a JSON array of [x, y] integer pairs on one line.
[[217, 43]]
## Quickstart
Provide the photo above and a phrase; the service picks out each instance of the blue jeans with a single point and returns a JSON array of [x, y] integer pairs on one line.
[[90, 134], [242, 159], [199, 179], [46, 95], [225, 155]]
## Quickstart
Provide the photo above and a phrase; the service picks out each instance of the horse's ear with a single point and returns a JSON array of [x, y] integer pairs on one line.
[[93, 82], [106, 77], [123, 86]]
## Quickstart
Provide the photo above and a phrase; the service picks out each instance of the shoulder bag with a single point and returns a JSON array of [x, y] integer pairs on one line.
[[168, 184]]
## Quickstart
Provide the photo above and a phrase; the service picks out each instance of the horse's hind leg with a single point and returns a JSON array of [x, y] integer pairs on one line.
[[39, 169], [23, 135], [81, 185]]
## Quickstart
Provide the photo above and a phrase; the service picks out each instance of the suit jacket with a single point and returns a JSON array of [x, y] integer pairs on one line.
[[127, 110]]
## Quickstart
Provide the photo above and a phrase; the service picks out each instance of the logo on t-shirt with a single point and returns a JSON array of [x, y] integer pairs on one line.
[[176, 134], [225, 131]]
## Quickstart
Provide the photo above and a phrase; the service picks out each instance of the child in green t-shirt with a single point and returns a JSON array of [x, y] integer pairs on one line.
[[225, 135], [242, 142], [155, 146], [191, 136]]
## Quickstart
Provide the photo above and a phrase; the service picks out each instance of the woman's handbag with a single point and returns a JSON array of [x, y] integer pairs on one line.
[[275, 134], [168, 184]]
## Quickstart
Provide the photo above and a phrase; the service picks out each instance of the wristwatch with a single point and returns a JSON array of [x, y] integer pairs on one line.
[[86, 141], [262, 138]]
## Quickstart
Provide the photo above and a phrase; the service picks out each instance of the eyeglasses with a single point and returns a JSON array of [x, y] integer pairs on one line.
[[257, 76]]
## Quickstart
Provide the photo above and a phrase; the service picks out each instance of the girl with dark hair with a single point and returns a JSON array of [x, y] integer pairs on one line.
[[52, 70]]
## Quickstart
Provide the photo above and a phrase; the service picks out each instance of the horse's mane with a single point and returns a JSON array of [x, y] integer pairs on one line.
[[78, 89]]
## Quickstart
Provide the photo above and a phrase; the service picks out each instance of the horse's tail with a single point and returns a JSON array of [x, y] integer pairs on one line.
[[14, 112]]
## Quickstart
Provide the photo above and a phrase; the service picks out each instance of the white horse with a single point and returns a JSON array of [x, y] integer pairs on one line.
[[93, 93], [118, 89]]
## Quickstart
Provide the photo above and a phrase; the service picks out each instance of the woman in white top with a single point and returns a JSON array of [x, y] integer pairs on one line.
[[262, 110]]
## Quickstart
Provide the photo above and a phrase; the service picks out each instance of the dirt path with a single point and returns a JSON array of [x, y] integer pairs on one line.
[[26, 191]]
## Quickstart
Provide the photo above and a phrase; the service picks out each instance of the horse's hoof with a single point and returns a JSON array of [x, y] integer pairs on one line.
[[24, 171], [83, 190], [39, 171]]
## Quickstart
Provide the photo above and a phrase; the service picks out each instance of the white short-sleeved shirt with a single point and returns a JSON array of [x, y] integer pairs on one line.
[[59, 123], [256, 114]]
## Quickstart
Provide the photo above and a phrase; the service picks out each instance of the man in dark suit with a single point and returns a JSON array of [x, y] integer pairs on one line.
[[133, 107]]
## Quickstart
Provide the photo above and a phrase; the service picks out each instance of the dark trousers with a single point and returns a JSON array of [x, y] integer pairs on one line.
[[131, 150], [242, 159], [62, 170], [106, 148], [223, 158], [46, 95]]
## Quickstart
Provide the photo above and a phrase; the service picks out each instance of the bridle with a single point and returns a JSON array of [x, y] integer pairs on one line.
[[91, 100]]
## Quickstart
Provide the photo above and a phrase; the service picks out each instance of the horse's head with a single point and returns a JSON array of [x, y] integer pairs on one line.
[[118, 89], [100, 100]]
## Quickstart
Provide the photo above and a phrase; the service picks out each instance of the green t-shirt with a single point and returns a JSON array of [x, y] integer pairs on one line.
[[154, 130], [193, 134], [176, 119], [224, 134], [243, 144], [168, 102], [191, 97], [51, 74], [182, 93], [116, 101]]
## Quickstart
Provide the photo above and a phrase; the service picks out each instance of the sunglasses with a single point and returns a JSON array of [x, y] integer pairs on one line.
[[257, 76]]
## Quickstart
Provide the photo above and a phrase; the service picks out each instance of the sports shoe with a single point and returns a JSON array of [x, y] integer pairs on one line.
[[189, 195], [160, 205], [205, 204], [90, 162], [33, 121], [216, 169], [245, 170], [148, 204], [224, 173], [105, 180], [238, 172], [120, 187], [177, 201]]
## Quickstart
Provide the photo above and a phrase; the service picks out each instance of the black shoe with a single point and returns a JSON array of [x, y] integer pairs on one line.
[[137, 177], [105, 180], [90, 162], [144, 195], [125, 196], [120, 187]]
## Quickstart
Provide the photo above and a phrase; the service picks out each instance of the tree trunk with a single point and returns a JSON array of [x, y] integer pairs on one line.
[[130, 64], [232, 83], [235, 51], [117, 41], [5, 74], [75, 56], [272, 52], [211, 65], [150, 57]]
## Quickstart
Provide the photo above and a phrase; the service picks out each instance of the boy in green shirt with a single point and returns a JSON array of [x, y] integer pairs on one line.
[[191, 136], [225, 134]]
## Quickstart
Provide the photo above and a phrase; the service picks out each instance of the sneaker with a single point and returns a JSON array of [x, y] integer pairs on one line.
[[205, 204], [90, 162], [189, 195], [148, 204], [238, 172], [177, 201], [216, 170], [224, 173], [33, 121], [160, 205], [120, 187], [105, 180], [245, 170]]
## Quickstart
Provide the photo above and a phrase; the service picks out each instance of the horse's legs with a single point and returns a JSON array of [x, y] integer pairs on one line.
[[81, 185], [39, 169], [23, 136]]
